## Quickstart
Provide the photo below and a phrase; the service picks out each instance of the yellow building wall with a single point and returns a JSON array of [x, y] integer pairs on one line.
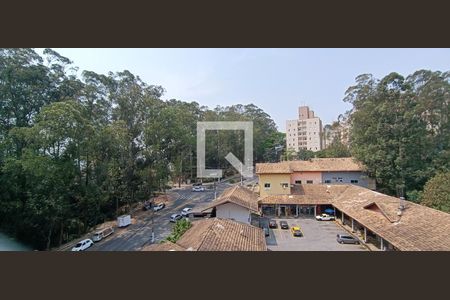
[[275, 181]]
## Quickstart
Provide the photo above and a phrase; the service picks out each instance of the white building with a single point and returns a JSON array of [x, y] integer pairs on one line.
[[236, 203], [305, 132]]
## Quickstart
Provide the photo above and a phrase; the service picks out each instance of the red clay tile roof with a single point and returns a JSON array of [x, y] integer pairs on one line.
[[165, 246], [307, 194], [273, 168], [327, 164], [344, 164], [418, 227], [223, 235], [238, 195]]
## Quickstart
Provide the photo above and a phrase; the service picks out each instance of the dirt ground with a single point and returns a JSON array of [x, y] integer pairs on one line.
[[136, 214]]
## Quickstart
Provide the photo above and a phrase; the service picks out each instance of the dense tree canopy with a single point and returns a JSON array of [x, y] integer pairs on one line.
[[400, 127], [436, 193], [78, 150]]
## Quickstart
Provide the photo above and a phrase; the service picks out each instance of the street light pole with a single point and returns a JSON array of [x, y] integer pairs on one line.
[[153, 224]]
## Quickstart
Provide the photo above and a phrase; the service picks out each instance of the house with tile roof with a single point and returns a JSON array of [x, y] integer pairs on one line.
[[236, 203], [216, 234], [383, 222], [278, 178]]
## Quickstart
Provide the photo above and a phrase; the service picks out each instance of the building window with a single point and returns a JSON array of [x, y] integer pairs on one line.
[[298, 182], [267, 185], [309, 181], [285, 185], [327, 181], [353, 181]]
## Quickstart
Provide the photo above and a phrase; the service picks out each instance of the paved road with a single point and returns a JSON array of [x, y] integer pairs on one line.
[[137, 235]]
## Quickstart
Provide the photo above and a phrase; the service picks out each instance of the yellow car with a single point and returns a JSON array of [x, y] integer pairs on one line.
[[296, 231]]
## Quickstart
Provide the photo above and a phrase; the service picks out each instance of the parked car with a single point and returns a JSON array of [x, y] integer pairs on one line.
[[266, 231], [101, 234], [147, 206], [284, 225], [83, 245], [175, 217], [273, 224], [296, 231], [185, 212], [158, 206], [198, 214], [324, 217], [197, 184], [198, 188], [346, 239]]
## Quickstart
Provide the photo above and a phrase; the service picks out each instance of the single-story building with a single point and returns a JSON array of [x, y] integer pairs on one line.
[[391, 223], [236, 203], [383, 222]]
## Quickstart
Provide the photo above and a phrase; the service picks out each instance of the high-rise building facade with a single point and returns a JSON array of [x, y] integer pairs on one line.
[[305, 132]]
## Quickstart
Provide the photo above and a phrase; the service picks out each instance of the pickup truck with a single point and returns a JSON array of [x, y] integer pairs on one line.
[[324, 217]]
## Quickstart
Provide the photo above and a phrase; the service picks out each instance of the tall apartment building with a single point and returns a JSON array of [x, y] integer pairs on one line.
[[305, 132]]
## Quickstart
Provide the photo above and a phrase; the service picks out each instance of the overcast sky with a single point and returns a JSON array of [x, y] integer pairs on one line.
[[277, 80]]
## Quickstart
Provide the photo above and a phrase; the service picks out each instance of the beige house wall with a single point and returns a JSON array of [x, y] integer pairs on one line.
[[275, 181]]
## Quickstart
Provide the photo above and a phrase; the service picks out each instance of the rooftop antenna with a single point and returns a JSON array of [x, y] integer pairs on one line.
[[400, 195]]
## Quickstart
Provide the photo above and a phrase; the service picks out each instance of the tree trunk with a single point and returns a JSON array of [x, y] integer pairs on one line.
[[49, 236], [61, 233]]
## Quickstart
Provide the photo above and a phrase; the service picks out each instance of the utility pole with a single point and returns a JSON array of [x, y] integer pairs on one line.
[[241, 176], [153, 223]]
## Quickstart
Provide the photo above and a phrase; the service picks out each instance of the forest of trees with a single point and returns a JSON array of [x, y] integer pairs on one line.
[[76, 150], [400, 130]]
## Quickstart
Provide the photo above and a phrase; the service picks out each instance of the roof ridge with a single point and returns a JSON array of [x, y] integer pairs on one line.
[[213, 221]]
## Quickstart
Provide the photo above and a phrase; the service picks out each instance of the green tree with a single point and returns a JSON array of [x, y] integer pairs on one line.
[[391, 128], [436, 193]]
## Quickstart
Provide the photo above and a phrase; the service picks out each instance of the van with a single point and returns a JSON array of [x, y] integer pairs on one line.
[[123, 221], [101, 234]]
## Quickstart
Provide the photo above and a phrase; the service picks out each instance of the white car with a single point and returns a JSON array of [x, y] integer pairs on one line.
[[158, 206], [324, 217], [186, 211], [175, 217], [83, 245], [198, 189]]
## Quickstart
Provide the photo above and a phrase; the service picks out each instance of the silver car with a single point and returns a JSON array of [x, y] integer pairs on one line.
[[346, 239], [175, 217]]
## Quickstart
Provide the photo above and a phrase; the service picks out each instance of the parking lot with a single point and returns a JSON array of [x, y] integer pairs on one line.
[[317, 236]]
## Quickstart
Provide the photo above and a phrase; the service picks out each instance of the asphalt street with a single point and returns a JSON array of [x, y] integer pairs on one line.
[[137, 235]]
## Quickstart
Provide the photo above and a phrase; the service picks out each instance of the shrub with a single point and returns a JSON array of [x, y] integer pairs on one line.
[[180, 227]]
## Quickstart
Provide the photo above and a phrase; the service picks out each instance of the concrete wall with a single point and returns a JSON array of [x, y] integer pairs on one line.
[[316, 177], [275, 181], [233, 211], [346, 178]]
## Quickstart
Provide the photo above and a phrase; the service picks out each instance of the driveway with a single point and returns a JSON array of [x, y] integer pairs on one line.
[[317, 236]]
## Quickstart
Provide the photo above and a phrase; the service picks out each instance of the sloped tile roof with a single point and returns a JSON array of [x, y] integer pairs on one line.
[[344, 164], [307, 194], [166, 246], [327, 164], [418, 228], [273, 168], [223, 235], [238, 195]]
